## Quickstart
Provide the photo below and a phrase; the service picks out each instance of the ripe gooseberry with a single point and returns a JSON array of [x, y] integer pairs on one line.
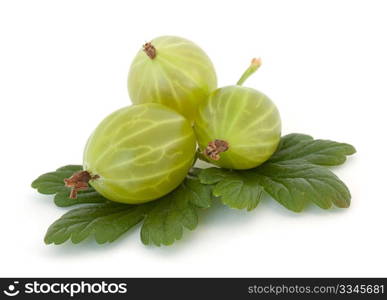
[[172, 71], [238, 127], [137, 154]]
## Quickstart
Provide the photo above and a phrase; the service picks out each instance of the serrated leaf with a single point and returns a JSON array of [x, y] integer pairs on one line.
[[293, 176], [295, 183], [198, 194], [109, 220], [236, 189], [51, 183], [106, 222], [319, 152], [164, 224], [88, 196]]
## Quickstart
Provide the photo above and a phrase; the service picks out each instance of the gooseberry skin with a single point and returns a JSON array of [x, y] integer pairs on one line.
[[243, 117], [180, 76], [140, 153]]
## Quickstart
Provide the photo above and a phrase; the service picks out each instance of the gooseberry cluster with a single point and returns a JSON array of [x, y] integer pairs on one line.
[[142, 152]]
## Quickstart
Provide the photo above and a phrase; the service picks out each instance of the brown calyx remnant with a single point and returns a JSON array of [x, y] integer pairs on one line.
[[79, 181], [150, 50], [214, 149]]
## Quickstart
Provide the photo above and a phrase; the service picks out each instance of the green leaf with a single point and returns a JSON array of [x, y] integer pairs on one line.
[[196, 193], [294, 176], [90, 195], [236, 189], [106, 222], [319, 152], [295, 183], [172, 213], [53, 182]]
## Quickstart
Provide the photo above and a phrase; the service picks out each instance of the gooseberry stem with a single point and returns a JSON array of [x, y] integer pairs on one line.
[[79, 181], [255, 64]]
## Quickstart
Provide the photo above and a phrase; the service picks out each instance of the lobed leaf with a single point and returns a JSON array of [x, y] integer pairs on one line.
[[198, 194], [294, 176], [292, 183], [53, 182], [318, 152], [106, 222], [164, 224], [90, 195], [236, 189], [295, 183]]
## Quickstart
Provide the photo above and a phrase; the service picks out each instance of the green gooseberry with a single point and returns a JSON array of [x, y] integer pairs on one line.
[[137, 154], [172, 71], [238, 127]]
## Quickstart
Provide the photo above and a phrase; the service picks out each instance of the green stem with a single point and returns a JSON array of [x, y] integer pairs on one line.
[[255, 64]]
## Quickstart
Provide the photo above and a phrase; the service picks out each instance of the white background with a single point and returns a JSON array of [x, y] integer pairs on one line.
[[63, 67]]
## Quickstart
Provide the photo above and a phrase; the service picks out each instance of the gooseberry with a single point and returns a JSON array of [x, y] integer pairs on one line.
[[137, 154], [172, 71], [238, 127]]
